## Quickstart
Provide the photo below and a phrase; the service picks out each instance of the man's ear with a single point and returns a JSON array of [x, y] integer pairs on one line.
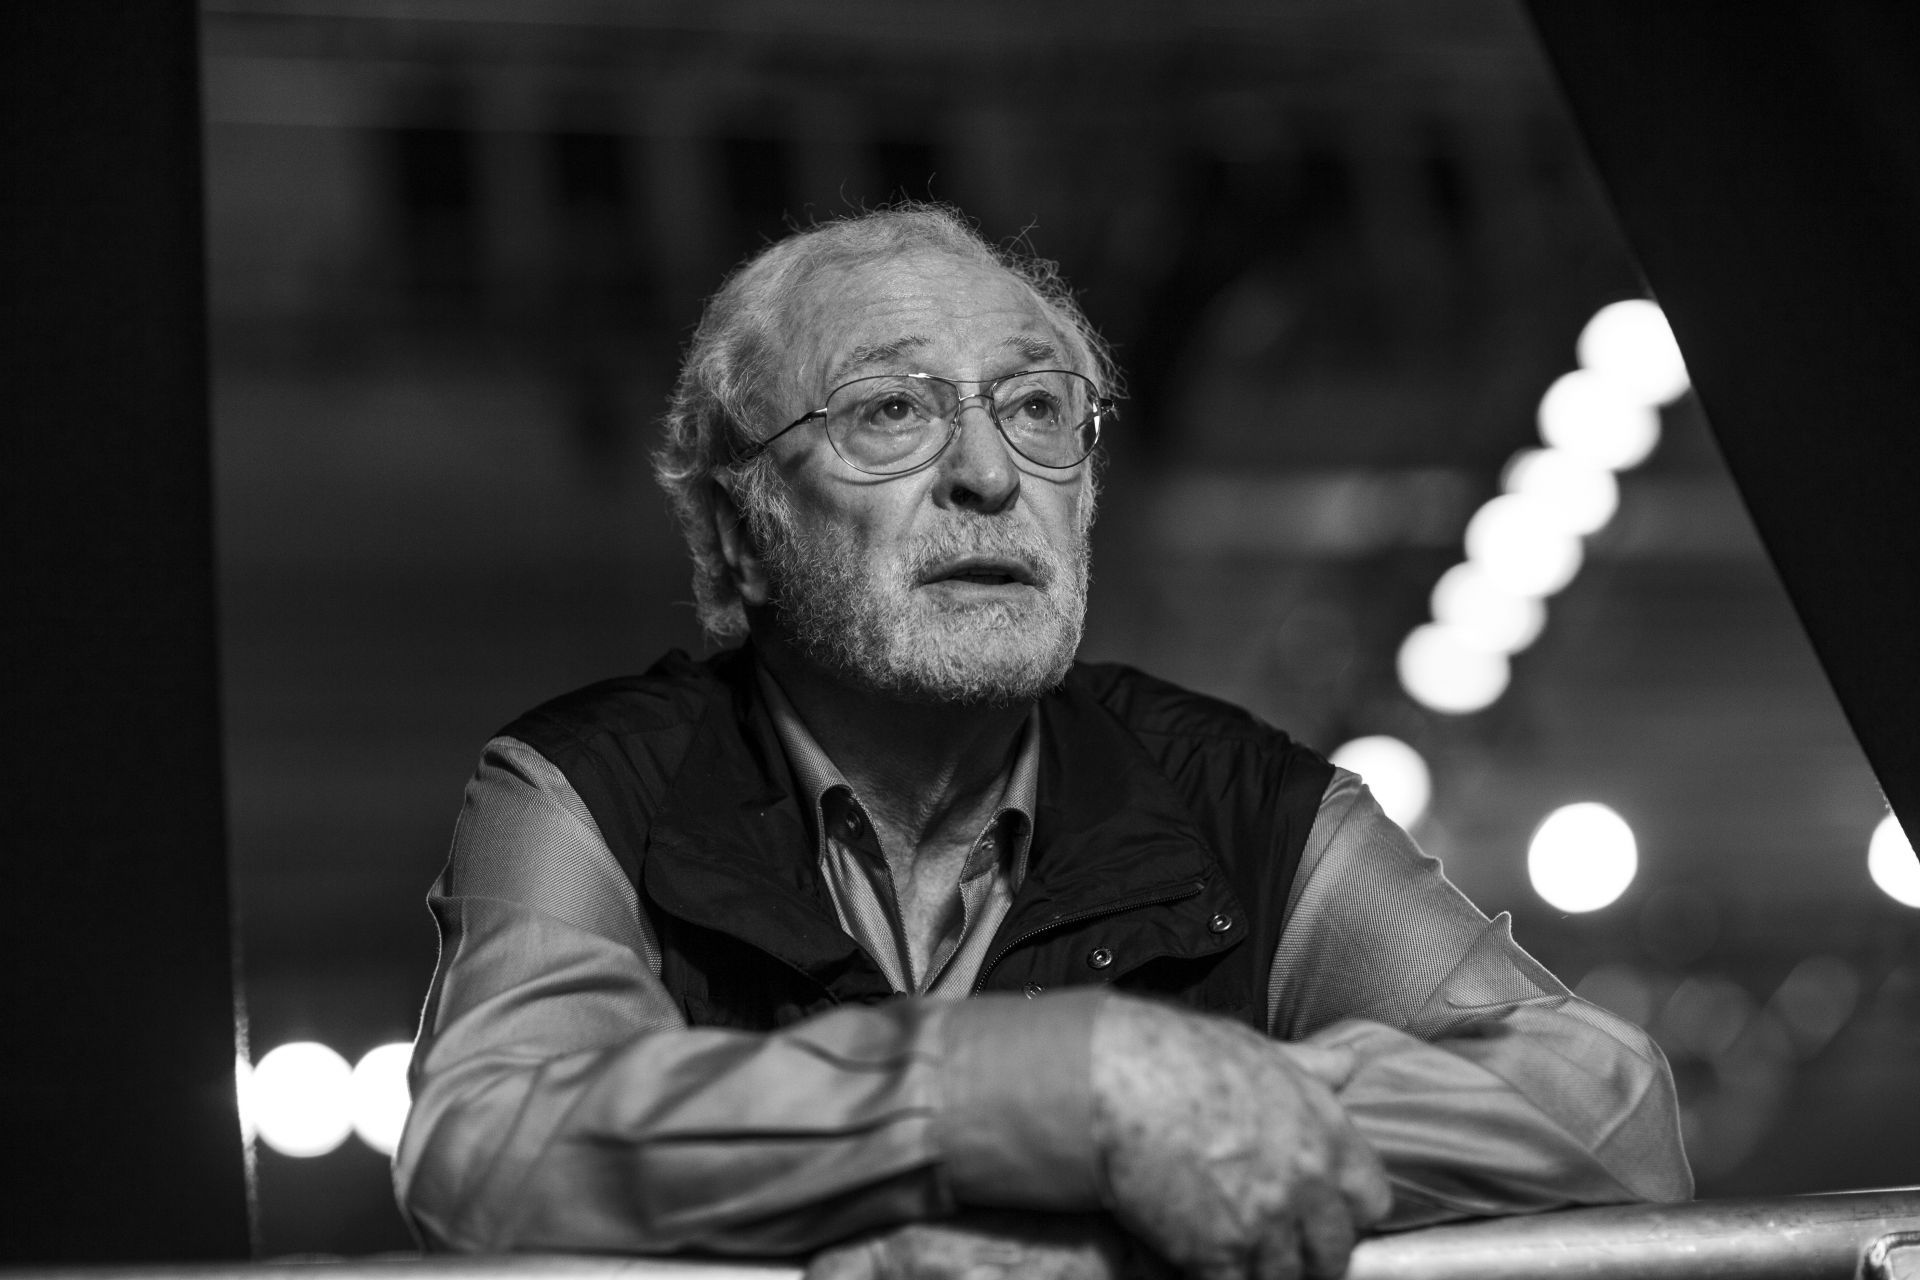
[[736, 544]]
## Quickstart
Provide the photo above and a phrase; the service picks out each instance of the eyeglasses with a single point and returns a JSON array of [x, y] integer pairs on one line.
[[899, 422]]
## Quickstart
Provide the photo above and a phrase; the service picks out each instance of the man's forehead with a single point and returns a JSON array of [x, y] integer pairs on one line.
[[1029, 347], [886, 312]]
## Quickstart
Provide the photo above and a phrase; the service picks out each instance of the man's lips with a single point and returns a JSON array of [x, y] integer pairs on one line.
[[989, 571]]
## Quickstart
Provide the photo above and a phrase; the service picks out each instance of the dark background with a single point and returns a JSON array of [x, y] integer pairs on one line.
[[1341, 249]]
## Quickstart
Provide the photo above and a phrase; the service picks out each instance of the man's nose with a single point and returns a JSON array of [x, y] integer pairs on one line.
[[977, 470]]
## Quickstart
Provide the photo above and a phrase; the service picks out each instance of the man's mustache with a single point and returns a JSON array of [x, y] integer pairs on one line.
[[991, 538]]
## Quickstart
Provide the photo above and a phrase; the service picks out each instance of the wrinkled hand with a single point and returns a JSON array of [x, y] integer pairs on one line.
[[1226, 1151], [993, 1246]]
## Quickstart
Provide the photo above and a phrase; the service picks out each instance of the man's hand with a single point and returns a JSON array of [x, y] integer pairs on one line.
[[1226, 1151], [993, 1246]]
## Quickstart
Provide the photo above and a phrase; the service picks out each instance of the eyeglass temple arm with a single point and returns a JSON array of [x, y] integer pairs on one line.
[[748, 452]]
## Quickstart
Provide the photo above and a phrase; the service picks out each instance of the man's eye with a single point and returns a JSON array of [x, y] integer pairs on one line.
[[894, 410], [1038, 407]]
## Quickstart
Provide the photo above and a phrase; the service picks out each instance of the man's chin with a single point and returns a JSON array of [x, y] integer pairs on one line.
[[976, 655]]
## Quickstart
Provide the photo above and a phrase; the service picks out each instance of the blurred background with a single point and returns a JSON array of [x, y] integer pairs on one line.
[[1344, 252]]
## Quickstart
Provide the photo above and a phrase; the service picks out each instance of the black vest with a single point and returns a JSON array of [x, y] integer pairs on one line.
[[1166, 835]]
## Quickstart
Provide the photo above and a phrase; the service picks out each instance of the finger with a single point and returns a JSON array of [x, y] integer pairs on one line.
[[1363, 1181], [1276, 1252], [859, 1260], [1331, 1064], [1353, 1164], [1327, 1232]]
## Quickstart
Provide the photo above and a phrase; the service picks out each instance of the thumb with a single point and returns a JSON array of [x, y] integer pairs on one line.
[[1331, 1064], [855, 1260]]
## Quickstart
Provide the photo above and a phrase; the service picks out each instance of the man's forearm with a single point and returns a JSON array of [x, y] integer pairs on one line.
[[1538, 1110], [705, 1139], [543, 1120], [1483, 1084]]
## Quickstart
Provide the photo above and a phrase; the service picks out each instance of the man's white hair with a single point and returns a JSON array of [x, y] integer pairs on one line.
[[723, 398]]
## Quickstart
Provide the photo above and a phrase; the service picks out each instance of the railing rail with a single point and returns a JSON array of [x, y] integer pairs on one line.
[[1860, 1235], [1821, 1237]]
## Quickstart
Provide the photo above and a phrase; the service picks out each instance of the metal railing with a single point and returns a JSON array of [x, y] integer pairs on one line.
[[1860, 1235], [1826, 1237]]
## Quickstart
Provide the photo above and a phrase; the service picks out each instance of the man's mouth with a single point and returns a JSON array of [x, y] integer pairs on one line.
[[986, 571]]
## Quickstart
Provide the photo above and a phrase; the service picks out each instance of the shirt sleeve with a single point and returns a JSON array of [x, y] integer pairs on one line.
[[561, 1101], [1485, 1086]]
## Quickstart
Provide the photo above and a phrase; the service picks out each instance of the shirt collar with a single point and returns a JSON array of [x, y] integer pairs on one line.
[[818, 777]]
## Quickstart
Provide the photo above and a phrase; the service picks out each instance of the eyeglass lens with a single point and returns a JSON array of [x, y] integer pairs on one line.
[[893, 423]]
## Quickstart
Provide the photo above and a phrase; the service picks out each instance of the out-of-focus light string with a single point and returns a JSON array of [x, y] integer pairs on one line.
[[1527, 543], [302, 1099]]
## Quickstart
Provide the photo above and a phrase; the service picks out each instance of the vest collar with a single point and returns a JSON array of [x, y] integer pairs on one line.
[[1111, 834], [729, 850]]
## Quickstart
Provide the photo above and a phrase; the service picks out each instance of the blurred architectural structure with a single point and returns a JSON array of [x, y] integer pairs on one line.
[[1341, 249]]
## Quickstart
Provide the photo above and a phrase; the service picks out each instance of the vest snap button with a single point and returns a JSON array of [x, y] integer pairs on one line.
[[1220, 923], [1034, 989], [1100, 957]]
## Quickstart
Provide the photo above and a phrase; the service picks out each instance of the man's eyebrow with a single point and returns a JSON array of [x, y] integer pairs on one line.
[[868, 354], [1035, 349]]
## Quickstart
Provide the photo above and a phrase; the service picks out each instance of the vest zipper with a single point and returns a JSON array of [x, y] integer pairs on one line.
[[986, 970]]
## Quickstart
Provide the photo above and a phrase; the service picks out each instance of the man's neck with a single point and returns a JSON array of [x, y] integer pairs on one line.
[[931, 772]]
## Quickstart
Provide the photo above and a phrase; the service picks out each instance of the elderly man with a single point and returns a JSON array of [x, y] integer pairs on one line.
[[898, 940]]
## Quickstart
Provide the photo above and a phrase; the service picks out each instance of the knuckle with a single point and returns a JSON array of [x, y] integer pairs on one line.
[[895, 1256], [842, 1262]]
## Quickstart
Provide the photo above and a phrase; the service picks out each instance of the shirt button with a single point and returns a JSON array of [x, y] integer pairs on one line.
[[1099, 957], [1220, 923], [1034, 989], [850, 823]]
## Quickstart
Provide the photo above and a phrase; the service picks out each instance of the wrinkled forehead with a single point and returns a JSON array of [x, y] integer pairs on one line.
[[922, 311]]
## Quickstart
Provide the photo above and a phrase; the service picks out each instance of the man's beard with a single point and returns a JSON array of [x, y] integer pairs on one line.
[[875, 630]]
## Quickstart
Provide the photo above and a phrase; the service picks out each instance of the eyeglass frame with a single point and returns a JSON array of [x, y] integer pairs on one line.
[[1102, 406]]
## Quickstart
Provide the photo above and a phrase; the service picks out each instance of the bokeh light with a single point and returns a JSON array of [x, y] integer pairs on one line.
[[1704, 1016], [1569, 490], [1582, 857], [297, 1098], [1485, 613], [1520, 548], [377, 1095], [1393, 771], [1891, 863], [1445, 671], [1593, 417], [1815, 1001], [1724, 1116], [1631, 343], [1619, 988]]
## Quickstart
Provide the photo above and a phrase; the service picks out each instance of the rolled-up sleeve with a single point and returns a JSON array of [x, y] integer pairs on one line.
[[560, 1100], [1484, 1085]]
